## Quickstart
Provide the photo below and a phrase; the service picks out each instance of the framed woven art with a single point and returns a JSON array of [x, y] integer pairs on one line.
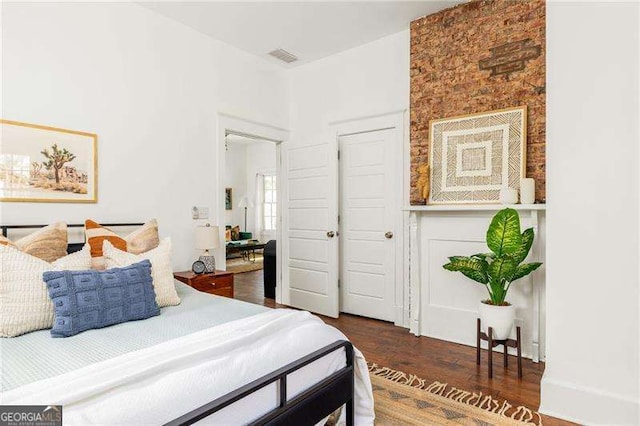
[[472, 157]]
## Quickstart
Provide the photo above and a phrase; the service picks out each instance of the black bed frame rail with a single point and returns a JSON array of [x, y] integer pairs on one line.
[[5, 228], [307, 408]]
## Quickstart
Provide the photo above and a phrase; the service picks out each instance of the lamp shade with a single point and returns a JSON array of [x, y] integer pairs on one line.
[[245, 201], [207, 237]]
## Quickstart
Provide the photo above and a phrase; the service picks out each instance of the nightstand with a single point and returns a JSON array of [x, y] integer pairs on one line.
[[220, 283]]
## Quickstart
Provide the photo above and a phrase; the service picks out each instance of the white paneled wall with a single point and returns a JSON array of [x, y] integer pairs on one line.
[[448, 301]]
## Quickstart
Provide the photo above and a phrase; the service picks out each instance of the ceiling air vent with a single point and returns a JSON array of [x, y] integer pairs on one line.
[[283, 55]]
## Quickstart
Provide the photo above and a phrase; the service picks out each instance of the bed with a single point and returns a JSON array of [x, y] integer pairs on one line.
[[209, 360]]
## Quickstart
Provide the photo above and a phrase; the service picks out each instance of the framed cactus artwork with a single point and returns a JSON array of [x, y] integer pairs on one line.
[[47, 164]]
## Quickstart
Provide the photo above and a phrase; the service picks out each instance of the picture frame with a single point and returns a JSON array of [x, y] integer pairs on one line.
[[228, 199], [45, 164], [472, 157]]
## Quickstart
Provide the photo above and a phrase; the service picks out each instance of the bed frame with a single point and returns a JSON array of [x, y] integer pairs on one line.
[[73, 247], [308, 408]]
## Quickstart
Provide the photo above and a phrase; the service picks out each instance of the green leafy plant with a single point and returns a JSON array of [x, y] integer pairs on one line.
[[503, 265]]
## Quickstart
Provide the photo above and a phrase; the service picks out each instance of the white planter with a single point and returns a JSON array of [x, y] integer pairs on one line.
[[499, 318]]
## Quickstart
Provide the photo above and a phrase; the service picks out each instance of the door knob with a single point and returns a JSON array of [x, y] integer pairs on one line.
[[331, 234], [388, 234]]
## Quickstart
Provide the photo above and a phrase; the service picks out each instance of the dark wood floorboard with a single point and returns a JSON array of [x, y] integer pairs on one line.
[[432, 359]]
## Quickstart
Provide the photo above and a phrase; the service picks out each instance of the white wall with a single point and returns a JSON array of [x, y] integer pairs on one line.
[[367, 80], [150, 88], [235, 178], [242, 162], [592, 369]]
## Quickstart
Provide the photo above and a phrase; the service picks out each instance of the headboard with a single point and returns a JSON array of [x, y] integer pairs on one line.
[[72, 247]]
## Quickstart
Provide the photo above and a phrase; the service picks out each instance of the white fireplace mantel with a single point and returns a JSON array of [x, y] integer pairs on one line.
[[444, 305], [475, 207]]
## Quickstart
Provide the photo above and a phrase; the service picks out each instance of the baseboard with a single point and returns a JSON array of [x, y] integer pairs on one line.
[[586, 405]]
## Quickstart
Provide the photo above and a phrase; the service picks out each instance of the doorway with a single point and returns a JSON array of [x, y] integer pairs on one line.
[[255, 194], [250, 201]]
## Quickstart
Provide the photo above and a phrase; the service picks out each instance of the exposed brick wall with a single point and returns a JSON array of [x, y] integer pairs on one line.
[[448, 50]]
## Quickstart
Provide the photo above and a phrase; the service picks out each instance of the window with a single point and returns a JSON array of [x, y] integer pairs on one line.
[[269, 206], [15, 171]]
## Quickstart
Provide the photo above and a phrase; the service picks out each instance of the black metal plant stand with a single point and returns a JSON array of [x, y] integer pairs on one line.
[[507, 343]]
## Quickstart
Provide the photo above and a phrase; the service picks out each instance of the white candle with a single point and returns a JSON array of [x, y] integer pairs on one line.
[[527, 191], [508, 195]]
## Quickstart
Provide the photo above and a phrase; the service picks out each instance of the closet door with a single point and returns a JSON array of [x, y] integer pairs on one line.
[[368, 251], [310, 268]]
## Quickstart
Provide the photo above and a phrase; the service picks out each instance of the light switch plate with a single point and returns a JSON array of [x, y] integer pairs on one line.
[[200, 212]]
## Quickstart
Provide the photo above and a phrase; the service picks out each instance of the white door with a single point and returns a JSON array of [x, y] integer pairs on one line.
[[310, 273], [367, 249]]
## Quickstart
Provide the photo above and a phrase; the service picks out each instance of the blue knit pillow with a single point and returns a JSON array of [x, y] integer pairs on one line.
[[84, 300]]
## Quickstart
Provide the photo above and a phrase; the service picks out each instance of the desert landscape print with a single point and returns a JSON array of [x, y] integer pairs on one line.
[[46, 164]]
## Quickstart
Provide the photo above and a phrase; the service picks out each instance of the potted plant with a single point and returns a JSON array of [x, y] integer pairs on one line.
[[499, 269]]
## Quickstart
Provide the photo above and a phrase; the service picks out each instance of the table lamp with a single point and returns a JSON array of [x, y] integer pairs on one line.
[[207, 237]]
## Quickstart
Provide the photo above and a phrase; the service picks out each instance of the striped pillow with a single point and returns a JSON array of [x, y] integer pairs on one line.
[[48, 243], [139, 241]]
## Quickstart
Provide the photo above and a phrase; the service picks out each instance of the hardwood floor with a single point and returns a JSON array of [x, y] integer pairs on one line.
[[434, 360]]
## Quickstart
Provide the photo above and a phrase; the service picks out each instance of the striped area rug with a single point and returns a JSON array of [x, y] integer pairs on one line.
[[402, 399]]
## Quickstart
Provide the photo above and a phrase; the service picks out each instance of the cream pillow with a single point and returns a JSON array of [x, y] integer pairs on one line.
[[24, 301], [161, 270]]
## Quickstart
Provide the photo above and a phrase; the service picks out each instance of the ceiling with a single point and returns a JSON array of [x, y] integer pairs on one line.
[[308, 29]]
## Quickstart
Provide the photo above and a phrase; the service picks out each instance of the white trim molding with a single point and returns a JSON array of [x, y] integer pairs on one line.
[[475, 207], [414, 275], [562, 400]]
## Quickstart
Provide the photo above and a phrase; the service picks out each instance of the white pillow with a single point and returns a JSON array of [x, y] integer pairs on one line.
[[161, 270], [24, 301]]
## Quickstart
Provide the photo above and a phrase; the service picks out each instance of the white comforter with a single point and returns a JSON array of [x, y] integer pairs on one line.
[[155, 385]]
